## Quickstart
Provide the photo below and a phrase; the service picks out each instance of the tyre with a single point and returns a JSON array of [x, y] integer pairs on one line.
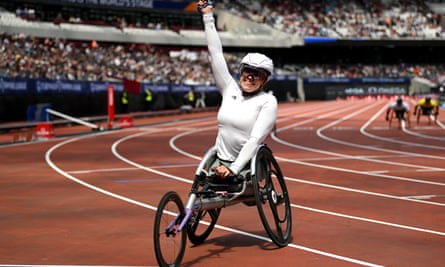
[[169, 245], [272, 198], [198, 232]]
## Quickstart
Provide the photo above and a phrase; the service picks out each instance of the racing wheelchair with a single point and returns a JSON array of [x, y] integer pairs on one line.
[[400, 117], [262, 186], [427, 112]]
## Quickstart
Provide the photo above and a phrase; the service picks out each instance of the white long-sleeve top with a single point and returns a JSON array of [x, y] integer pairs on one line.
[[393, 105], [244, 122]]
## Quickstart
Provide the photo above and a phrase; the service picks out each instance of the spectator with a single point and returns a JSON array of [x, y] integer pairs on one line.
[[124, 102]]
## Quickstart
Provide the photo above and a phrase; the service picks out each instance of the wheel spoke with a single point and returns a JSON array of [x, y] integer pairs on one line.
[[198, 232], [169, 244], [272, 199]]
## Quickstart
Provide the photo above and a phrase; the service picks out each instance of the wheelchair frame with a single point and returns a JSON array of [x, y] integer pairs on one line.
[[401, 121], [431, 117], [263, 187]]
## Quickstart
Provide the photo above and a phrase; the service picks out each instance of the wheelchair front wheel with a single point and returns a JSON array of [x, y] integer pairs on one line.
[[272, 198], [169, 245]]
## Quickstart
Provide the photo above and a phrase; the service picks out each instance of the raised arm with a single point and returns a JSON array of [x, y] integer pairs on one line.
[[218, 63]]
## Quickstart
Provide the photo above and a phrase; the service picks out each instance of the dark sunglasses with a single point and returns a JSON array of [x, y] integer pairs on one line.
[[255, 73]]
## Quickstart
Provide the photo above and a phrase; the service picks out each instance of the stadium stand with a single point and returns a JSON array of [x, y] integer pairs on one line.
[[49, 40], [33, 20], [349, 19]]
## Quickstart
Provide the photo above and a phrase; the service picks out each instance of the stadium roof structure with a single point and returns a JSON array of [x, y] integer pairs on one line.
[[238, 32]]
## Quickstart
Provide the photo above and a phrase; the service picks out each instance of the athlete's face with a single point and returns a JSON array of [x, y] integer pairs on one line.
[[252, 79]]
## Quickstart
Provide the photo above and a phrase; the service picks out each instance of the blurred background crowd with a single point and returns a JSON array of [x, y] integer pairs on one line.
[[334, 39], [343, 18], [29, 57], [26, 56]]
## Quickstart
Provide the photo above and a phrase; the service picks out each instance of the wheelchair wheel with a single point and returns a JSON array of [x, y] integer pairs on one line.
[[198, 232], [169, 246], [201, 223], [272, 198], [390, 120]]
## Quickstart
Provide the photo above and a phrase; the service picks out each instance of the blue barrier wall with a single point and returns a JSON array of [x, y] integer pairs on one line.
[[85, 98], [43, 86], [23, 85], [332, 88]]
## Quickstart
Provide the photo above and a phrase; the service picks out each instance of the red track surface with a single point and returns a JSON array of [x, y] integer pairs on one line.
[[362, 194]]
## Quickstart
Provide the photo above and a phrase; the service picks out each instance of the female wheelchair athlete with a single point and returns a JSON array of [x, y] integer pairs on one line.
[[263, 185]]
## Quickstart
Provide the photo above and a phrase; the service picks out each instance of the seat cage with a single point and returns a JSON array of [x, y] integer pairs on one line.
[[209, 190]]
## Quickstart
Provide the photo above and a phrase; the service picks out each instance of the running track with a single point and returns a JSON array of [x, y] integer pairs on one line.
[[362, 194]]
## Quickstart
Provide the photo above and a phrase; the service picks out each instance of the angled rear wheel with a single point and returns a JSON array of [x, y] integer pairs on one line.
[[272, 198]]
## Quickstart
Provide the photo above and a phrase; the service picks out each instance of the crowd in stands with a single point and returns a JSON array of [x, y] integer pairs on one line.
[[345, 18], [28, 57], [434, 73], [318, 18], [154, 19]]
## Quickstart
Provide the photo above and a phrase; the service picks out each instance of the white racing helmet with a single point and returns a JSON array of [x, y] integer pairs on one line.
[[258, 61]]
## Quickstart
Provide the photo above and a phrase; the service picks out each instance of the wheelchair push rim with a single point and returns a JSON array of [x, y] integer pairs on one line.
[[272, 198]]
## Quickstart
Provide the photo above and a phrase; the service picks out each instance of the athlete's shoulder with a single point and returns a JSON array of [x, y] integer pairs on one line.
[[434, 102], [406, 105], [269, 96]]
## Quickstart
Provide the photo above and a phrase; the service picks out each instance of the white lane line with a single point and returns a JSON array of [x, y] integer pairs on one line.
[[288, 178], [320, 108], [403, 124], [428, 170], [275, 138], [322, 136], [373, 118], [424, 196], [101, 170], [424, 135], [122, 158], [132, 169], [358, 156], [371, 220], [367, 173], [311, 250], [278, 140], [441, 125], [324, 115], [178, 150], [364, 192]]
